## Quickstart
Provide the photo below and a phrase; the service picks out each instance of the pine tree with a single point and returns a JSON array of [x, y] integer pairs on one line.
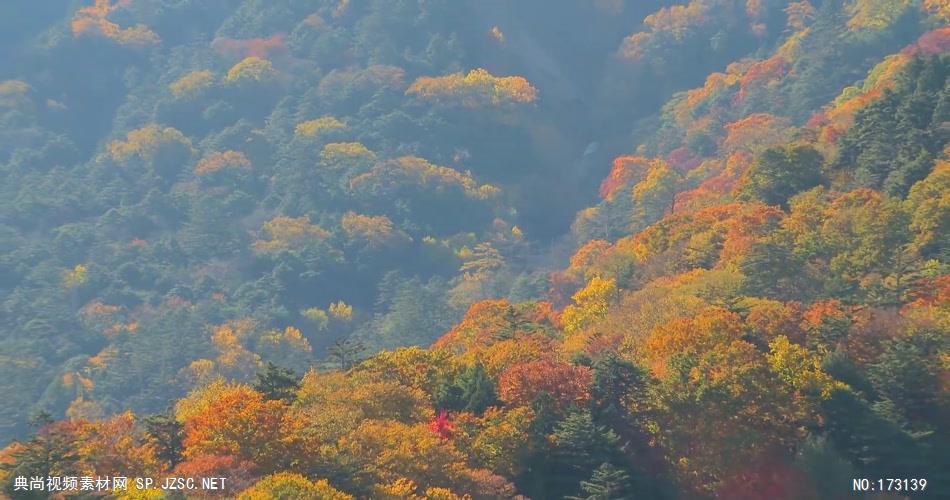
[[478, 390], [275, 382], [607, 483], [166, 433]]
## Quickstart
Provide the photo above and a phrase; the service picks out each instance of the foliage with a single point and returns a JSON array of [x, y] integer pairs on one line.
[[478, 88]]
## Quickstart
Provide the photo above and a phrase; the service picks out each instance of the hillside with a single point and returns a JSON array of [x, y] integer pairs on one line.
[[428, 249]]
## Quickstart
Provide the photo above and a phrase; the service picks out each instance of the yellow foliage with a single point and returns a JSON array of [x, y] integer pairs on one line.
[[476, 89], [929, 204], [291, 485], [147, 143], [346, 154], [233, 357], [400, 489], [414, 171], [92, 21], [192, 84], [316, 316], [75, 277], [876, 14], [311, 128], [940, 8], [497, 34], [341, 311], [250, 69], [799, 368], [80, 409], [590, 303], [199, 399], [219, 161], [376, 230], [290, 339], [282, 233]]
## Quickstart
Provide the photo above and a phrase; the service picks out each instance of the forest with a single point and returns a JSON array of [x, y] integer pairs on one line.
[[459, 249]]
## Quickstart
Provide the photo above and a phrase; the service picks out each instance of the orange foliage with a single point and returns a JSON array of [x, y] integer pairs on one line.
[[93, 20], [284, 232], [935, 42], [376, 230], [239, 422], [259, 47], [767, 72], [486, 321], [504, 354], [117, 446], [767, 319], [218, 161], [800, 14], [696, 335], [567, 384], [149, 143], [756, 132], [391, 175], [239, 472], [476, 89], [624, 171]]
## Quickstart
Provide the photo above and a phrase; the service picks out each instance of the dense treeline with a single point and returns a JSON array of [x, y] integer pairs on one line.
[[227, 251]]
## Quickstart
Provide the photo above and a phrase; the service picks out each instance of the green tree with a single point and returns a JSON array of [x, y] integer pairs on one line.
[[607, 483], [166, 433], [781, 172], [473, 391], [276, 382]]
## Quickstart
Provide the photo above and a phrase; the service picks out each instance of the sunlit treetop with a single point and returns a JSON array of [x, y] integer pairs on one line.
[[311, 128], [410, 171], [478, 88], [251, 69], [350, 155], [93, 21], [876, 14], [376, 230], [148, 143], [678, 21], [624, 171], [284, 232], [192, 84], [225, 160]]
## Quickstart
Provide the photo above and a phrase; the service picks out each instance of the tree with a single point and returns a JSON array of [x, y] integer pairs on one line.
[[473, 391], [578, 446], [238, 421], [616, 381], [567, 384], [288, 486], [51, 451], [277, 383], [607, 483], [346, 352], [476, 89], [781, 172], [166, 434]]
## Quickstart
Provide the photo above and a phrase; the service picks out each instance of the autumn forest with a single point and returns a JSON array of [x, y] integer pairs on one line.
[[459, 249]]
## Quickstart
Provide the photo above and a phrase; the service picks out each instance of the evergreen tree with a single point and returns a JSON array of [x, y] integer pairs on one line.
[[478, 390], [607, 483], [275, 382], [166, 433], [781, 172], [473, 391]]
